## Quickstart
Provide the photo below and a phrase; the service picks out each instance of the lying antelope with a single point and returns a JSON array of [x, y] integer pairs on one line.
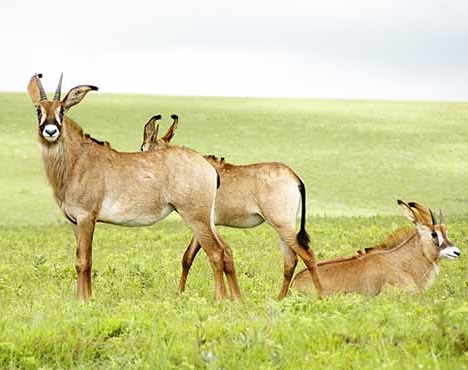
[[248, 196], [408, 259], [94, 183]]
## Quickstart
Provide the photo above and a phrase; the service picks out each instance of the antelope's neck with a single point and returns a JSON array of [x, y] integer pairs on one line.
[[59, 158], [430, 272], [422, 268]]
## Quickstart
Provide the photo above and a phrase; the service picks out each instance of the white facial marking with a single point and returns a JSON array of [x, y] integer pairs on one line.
[[50, 132], [451, 253], [440, 238], [43, 115], [57, 116]]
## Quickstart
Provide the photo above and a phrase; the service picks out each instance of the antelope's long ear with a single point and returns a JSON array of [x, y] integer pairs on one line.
[[34, 89], [408, 211], [171, 130], [426, 216], [150, 132], [76, 94], [155, 136]]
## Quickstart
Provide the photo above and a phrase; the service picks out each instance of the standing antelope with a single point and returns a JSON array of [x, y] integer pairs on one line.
[[94, 183], [248, 196], [408, 259]]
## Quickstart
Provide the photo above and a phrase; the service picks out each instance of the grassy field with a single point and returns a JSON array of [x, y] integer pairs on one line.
[[356, 157]]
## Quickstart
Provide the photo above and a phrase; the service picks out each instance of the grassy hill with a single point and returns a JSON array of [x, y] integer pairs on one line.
[[356, 157]]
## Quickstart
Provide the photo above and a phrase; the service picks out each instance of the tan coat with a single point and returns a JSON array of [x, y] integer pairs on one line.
[[406, 259], [248, 196], [94, 183]]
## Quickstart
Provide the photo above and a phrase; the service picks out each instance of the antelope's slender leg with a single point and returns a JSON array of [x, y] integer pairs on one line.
[[215, 254], [305, 253], [200, 221], [308, 256], [203, 232], [84, 231], [230, 271], [189, 256], [290, 263]]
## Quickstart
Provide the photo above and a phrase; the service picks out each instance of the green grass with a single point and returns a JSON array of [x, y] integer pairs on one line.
[[356, 157]]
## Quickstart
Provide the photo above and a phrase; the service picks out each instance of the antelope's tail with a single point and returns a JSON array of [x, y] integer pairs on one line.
[[302, 236]]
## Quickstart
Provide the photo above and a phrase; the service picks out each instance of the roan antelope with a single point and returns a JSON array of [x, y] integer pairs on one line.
[[407, 259], [248, 196], [94, 183]]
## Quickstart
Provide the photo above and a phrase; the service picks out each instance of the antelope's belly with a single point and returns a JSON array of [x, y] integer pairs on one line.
[[113, 212], [239, 220]]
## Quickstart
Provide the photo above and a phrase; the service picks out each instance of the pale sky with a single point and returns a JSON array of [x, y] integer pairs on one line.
[[398, 49]]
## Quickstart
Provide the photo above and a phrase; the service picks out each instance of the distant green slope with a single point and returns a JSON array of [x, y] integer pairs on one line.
[[356, 157]]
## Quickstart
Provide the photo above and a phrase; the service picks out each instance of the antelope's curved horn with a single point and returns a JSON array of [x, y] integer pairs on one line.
[[41, 88], [441, 217], [59, 89], [434, 222]]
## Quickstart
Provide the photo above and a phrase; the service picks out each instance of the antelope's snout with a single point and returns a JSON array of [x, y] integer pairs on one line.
[[50, 132], [451, 253]]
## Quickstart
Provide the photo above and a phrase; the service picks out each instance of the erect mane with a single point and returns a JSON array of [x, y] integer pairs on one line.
[[77, 128], [393, 240], [98, 142], [215, 160]]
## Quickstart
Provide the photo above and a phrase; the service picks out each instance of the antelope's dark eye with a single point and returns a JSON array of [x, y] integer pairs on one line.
[[39, 111], [434, 235]]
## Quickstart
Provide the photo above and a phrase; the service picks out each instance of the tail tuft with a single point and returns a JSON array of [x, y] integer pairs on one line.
[[302, 236]]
